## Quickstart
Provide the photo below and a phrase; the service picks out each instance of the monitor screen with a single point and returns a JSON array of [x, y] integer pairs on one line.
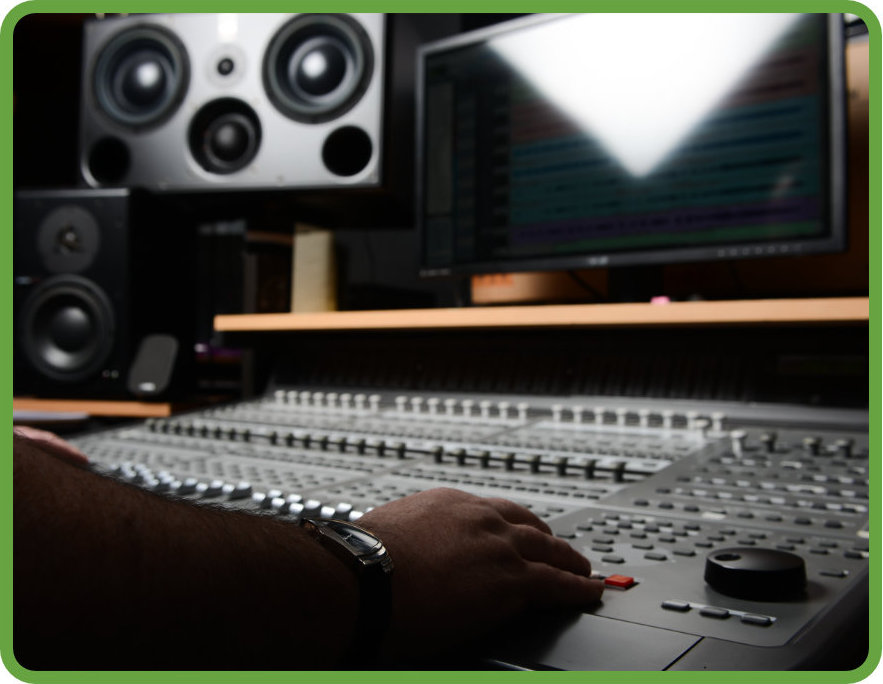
[[595, 140]]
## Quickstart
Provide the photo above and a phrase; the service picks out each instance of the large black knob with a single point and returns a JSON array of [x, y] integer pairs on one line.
[[756, 573]]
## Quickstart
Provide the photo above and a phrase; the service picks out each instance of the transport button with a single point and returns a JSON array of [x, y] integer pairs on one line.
[[673, 604], [620, 581], [712, 611]]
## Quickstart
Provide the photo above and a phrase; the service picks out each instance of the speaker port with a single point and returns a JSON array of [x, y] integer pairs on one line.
[[109, 161], [225, 136], [317, 67], [347, 151]]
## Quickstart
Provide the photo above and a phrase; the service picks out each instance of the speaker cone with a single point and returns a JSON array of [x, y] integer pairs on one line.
[[141, 76], [317, 67], [68, 239], [225, 136], [67, 328]]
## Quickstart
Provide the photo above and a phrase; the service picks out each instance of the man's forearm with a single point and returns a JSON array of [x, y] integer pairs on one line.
[[93, 586]]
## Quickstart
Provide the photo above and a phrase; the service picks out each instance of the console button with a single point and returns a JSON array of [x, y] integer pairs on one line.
[[621, 581], [673, 604], [712, 611]]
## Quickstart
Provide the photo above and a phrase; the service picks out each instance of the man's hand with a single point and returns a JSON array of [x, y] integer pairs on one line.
[[464, 564]]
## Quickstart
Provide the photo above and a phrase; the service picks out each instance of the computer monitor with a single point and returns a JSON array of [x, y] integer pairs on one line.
[[560, 142]]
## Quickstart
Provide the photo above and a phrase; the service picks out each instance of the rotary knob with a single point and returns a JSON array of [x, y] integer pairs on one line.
[[756, 573]]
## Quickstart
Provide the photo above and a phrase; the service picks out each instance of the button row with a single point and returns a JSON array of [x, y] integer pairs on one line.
[[810, 445], [328, 400], [291, 438], [273, 500], [723, 513], [204, 429], [486, 409], [295, 505], [164, 482], [559, 466], [815, 488], [687, 539], [718, 613], [773, 500], [515, 484], [340, 443], [644, 418], [462, 408]]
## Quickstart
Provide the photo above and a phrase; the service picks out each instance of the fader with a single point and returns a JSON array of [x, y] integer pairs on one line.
[[730, 536]]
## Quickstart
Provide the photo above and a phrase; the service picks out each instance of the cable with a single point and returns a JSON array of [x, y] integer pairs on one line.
[[583, 284]]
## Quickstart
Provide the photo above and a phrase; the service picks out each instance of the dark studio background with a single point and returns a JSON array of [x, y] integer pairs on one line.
[[375, 241], [243, 255]]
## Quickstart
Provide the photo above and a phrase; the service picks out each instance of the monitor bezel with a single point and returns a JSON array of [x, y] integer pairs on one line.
[[835, 240]]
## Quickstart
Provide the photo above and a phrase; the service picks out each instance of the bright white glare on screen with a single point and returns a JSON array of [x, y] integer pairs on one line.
[[640, 82]]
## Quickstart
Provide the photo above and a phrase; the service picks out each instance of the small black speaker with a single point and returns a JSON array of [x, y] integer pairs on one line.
[[98, 276], [227, 101]]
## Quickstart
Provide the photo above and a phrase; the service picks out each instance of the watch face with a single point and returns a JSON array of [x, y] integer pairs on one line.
[[360, 542]]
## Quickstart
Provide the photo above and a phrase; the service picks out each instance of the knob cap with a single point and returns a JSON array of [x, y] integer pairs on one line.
[[756, 573]]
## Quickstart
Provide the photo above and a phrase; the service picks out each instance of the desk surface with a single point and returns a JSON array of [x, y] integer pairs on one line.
[[91, 407], [746, 312]]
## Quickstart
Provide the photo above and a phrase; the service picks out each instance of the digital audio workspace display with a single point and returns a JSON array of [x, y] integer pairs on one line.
[[598, 140]]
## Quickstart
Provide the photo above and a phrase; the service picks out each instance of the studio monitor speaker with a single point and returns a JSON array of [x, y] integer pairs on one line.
[[198, 102], [103, 296]]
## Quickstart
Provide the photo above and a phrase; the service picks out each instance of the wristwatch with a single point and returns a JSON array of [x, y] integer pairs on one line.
[[368, 557]]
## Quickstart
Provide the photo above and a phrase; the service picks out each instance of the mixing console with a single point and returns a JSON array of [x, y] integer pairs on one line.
[[729, 535]]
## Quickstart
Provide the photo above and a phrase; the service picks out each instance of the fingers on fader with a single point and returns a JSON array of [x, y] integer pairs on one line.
[[553, 587], [546, 548], [517, 514]]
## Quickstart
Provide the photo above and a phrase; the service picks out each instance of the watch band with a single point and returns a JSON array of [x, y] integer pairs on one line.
[[367, 556]]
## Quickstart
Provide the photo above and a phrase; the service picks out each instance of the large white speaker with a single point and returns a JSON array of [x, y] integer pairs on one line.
[[233, 101]]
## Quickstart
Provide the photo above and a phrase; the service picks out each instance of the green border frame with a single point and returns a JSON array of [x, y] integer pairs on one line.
[[6, 340]]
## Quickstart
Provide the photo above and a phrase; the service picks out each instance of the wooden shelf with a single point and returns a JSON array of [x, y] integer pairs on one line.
[[121, 409], [748, 312]]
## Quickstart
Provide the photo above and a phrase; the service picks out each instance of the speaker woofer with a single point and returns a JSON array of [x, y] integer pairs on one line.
[[67, 328], [317, 67], [141, 76], [225, 136]]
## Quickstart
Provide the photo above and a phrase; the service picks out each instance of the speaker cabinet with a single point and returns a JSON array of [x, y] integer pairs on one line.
[[104, 296], [233, 101]]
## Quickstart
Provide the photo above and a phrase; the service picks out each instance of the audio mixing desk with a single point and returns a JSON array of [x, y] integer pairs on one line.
[[729, 535]]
